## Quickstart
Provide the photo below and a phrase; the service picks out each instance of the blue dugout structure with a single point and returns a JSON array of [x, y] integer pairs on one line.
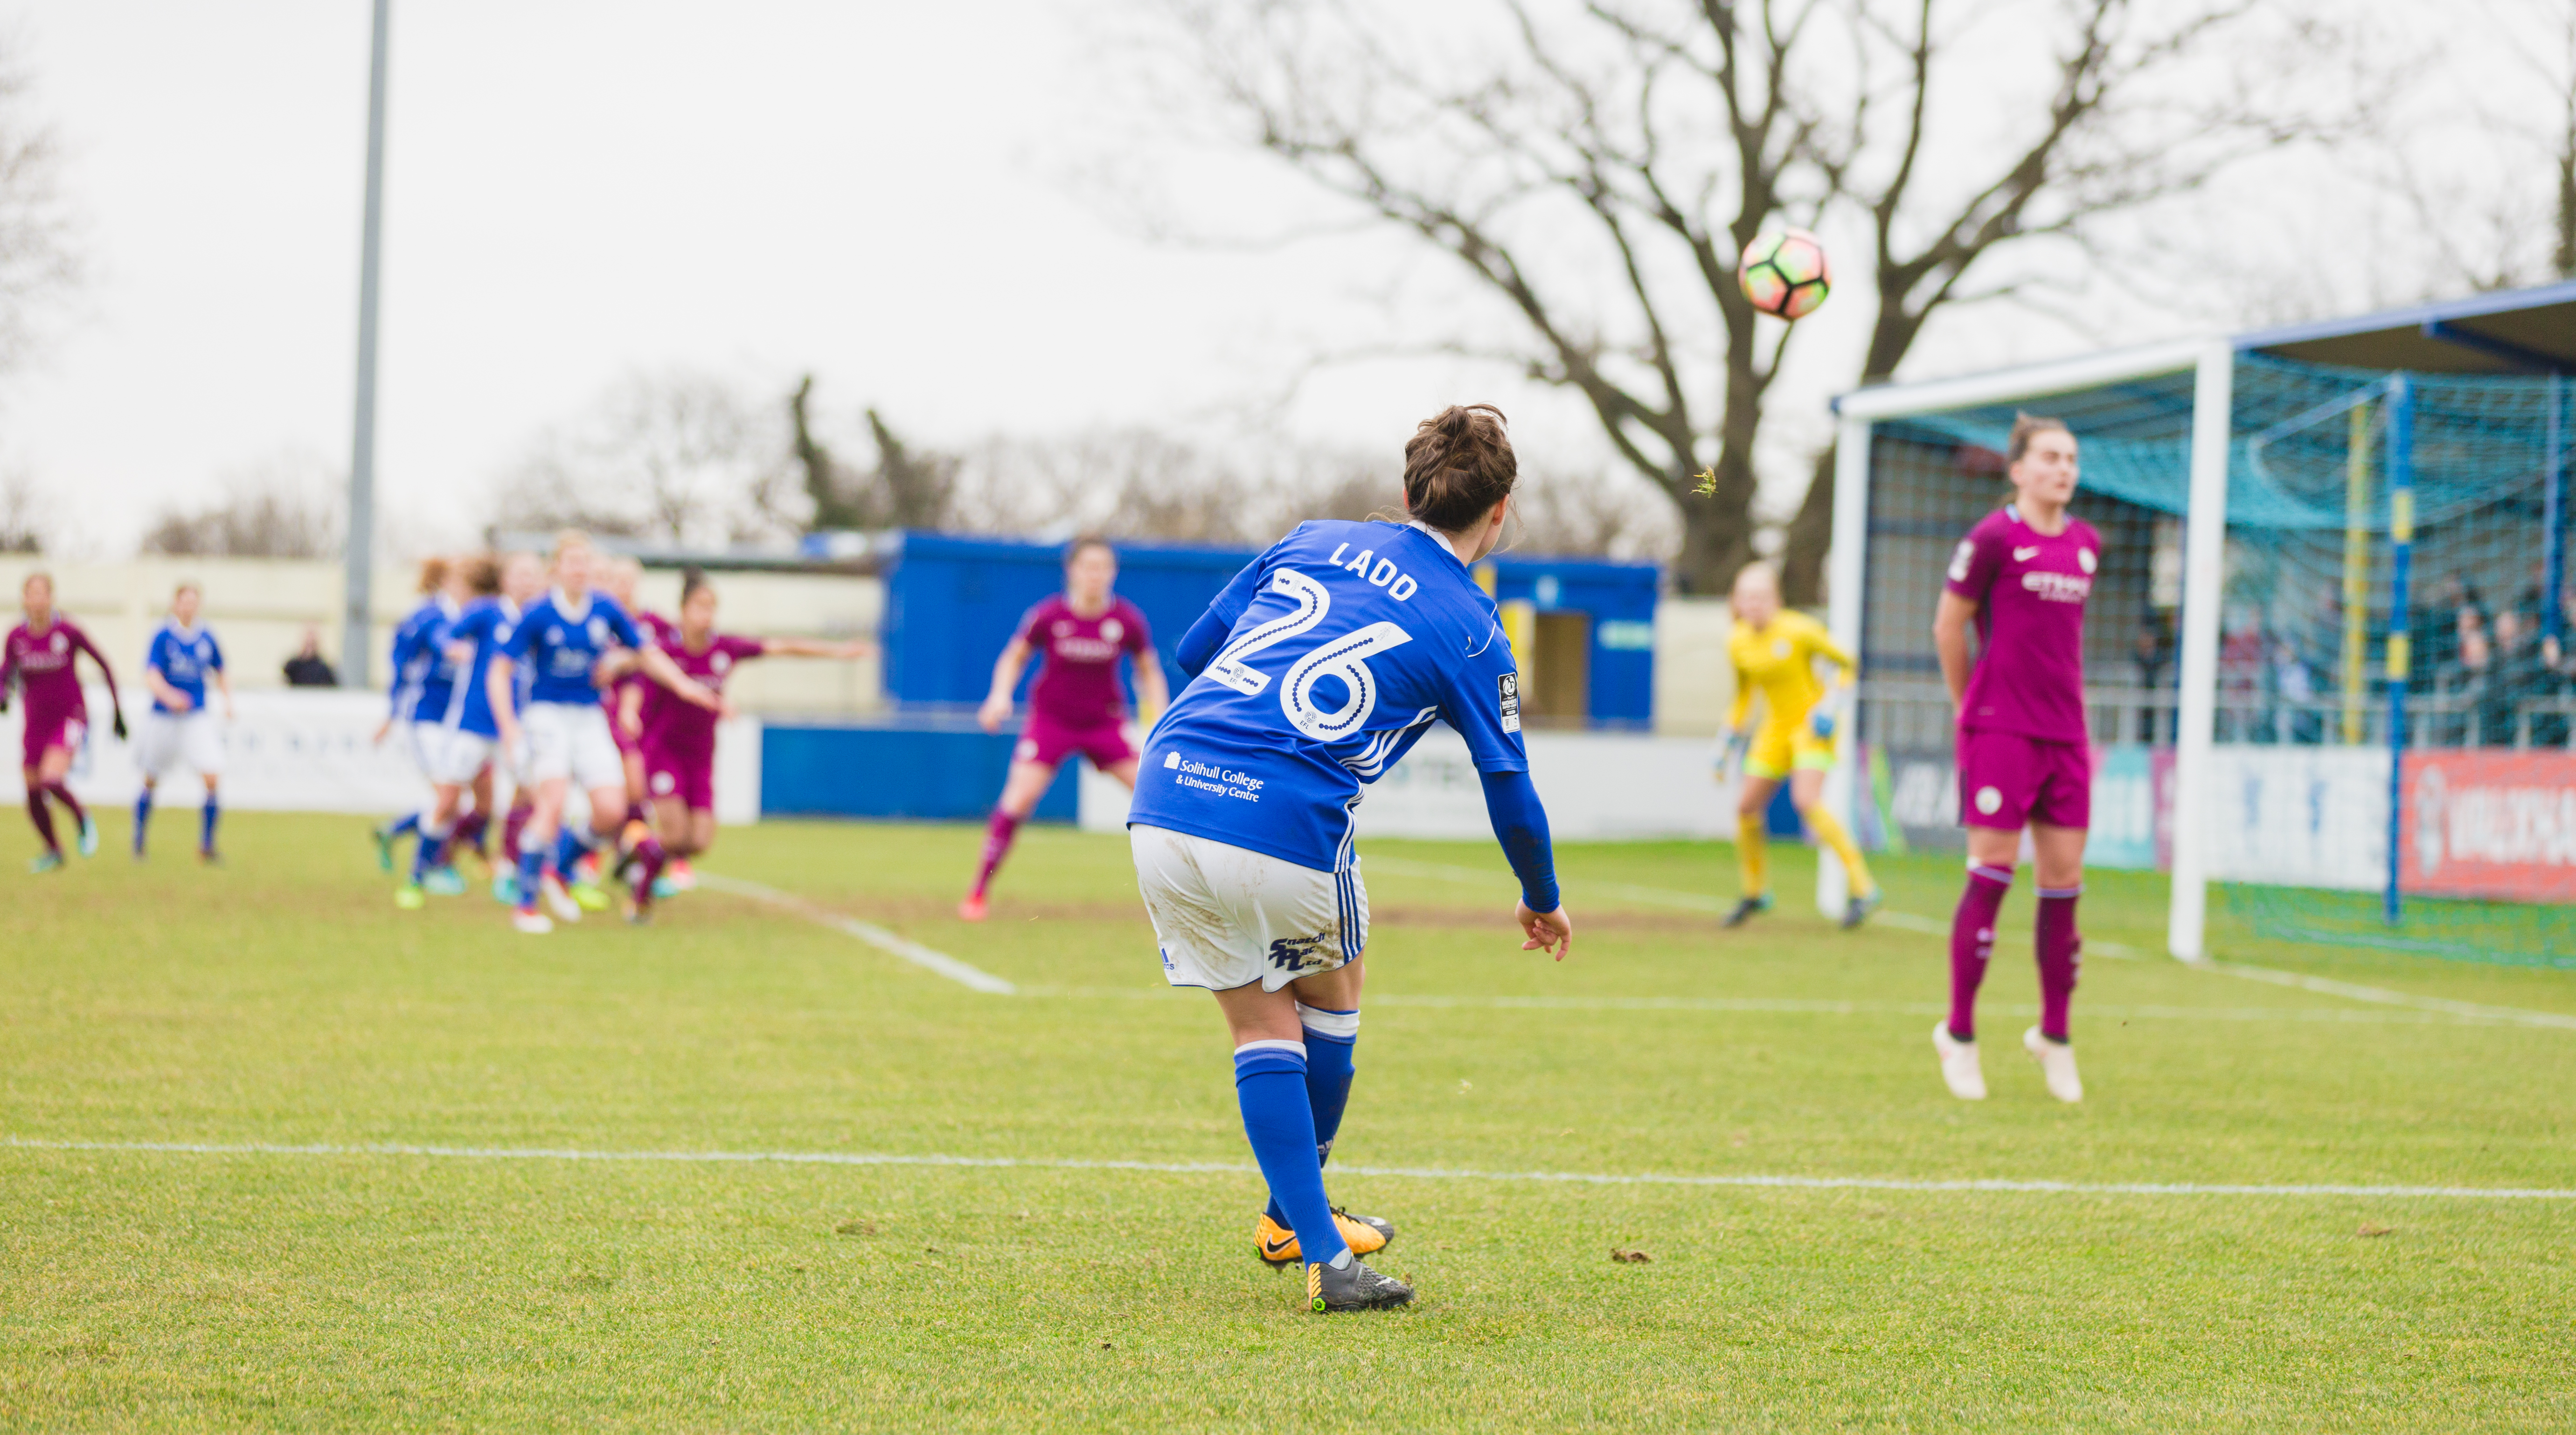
[[952, 602]]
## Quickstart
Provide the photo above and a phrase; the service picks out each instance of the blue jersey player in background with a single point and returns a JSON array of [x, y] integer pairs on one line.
[[560, 641], [468, 743], [424, 676], [179, 730], [1312, 673]]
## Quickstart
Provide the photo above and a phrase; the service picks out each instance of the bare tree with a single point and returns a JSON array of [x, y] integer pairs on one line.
[[676, 457], [2144, 103], [281, 507], [24, 514], [38, 258], [1595, 169]]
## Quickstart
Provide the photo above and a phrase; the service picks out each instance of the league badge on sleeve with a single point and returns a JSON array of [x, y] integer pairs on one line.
[[1510, 693]]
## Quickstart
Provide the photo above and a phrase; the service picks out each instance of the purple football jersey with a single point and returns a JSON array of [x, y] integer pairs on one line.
[[1078, 684], [2029, 589]]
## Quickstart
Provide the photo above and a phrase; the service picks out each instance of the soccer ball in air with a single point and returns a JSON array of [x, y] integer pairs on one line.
[[1783, 273]]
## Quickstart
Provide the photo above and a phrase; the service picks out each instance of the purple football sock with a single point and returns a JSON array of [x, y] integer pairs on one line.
[[1972, 941]]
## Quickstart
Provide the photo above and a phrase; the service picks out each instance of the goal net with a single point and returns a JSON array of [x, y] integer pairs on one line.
[[2345, 708]]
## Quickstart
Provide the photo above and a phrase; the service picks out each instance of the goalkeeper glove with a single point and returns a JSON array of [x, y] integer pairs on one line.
[[117, 725], [1821, 721]]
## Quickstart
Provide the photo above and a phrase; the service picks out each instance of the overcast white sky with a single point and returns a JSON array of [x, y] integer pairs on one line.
[[882, 194]]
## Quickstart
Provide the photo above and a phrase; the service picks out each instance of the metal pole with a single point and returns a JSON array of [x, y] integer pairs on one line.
[[2553, 610], [1846, 576], [2401, 555], [2204, 559], [2356, 575], [357, 638]]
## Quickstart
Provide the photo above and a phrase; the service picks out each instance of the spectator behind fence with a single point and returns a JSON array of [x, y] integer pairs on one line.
[[2294, 688], [308, 668], [2523, 674], [2460, 684]]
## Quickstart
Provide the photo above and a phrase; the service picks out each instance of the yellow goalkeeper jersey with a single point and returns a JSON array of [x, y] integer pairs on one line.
[[1778, 660]]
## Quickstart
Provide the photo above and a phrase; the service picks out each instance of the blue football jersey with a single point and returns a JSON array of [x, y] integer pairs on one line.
[[183, 657], [1346, 642], [424, 676], [561, 642], [486, 623]]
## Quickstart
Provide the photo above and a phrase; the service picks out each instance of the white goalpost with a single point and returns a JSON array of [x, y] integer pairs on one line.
[[2212, 364]]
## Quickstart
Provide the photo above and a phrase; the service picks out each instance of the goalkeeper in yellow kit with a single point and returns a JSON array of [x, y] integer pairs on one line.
[[1774, 654]]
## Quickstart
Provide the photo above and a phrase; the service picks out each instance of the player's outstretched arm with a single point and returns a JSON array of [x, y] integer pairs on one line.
[[809, 648], [107, 675], [1152, 693], [1006, 676], [1520, 825], [1950, 640], [659, 667]]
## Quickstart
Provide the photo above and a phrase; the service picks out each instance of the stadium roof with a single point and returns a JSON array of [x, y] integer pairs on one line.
[[2515, 331]]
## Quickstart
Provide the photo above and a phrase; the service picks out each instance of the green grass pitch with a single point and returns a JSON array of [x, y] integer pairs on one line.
[[283, 1000]]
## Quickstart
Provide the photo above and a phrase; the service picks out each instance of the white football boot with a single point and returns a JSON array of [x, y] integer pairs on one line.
[[1959, 1067], [535, 924], [558, 900], [2057, 1063]]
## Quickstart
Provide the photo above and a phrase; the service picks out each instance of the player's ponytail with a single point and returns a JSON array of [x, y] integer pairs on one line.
[[1457, 466], [2027, 427]]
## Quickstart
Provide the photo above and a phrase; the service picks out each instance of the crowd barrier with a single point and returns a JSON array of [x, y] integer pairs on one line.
[[314, 750]]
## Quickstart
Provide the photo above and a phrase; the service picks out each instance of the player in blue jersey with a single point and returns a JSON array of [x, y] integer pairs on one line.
[[467, 745], [182, 659], [1312, 674], [560, 641], [424, 677]]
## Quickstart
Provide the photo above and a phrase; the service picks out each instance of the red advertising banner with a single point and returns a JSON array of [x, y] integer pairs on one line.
[[2486, 823]]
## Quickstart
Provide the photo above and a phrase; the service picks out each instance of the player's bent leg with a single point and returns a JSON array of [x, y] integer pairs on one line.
[[2060, 950], [1972, 944], [1752, 845], [207, 816], [1807, 792], [1328, 1015], [1028, 781]]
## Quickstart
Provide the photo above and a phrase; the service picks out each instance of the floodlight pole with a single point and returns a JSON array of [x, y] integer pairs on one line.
[[2204, 557], [1846, 568], [357, 637]]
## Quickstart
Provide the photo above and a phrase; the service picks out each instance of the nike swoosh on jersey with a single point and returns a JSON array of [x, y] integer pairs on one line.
[[2024, 555]]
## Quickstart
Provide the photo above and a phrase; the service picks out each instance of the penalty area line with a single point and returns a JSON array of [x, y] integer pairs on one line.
[[1232, 1168], [869, 932]]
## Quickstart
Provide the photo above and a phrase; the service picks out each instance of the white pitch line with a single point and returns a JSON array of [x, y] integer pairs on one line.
[[1197, 1168], [868, 932], [2328, 986], [1907, 921], [1687, 901], [1833, 1007]]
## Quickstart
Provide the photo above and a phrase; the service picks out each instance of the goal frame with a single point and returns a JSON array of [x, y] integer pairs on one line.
[[2212, 363]]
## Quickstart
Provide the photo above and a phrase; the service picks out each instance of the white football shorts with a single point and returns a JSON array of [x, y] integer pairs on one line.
[[1227, 917], [426, 741], [456, 756], [571, 740], [194, 739]]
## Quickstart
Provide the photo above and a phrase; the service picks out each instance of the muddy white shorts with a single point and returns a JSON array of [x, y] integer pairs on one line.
[[1227, 917], [571, 740], [192, 739]]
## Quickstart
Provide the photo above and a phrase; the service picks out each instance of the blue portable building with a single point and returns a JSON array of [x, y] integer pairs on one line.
[[1585, 629]]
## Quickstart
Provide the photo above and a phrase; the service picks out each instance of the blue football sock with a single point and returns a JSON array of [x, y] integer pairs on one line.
[[1270, 1085], [206, 826], [406, 825], [142, 818], [1332, 1038], [568, 850], [425, 856], [532, 874]]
